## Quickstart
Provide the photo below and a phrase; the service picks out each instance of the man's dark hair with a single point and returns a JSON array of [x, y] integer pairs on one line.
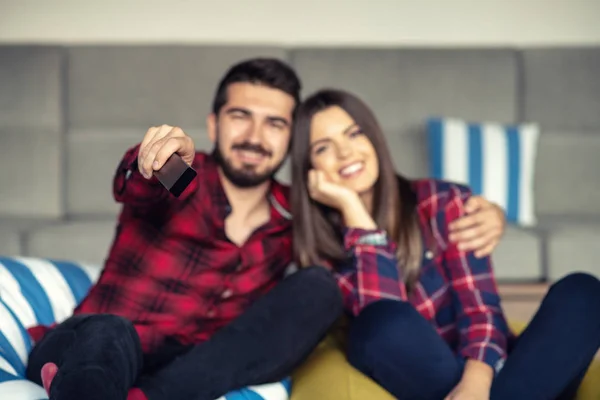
[[269, 72]]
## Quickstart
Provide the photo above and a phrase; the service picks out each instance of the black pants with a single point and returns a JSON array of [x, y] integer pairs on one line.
[[391, 342], [99, 356]]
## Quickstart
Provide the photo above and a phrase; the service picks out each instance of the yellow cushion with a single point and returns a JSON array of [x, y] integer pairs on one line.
[[326, 375]]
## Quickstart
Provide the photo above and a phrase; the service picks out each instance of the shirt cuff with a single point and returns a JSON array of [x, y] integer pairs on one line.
[[487, 354], [129, 167], [368, 237]]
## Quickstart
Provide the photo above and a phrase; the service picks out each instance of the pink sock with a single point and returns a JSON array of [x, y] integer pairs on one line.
[[48, 373], [136, 394]]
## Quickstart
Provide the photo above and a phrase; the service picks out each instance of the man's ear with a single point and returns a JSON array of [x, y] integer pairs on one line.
[[211, 125]]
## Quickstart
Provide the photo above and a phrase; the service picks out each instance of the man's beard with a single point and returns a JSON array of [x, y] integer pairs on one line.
[[245, 177]]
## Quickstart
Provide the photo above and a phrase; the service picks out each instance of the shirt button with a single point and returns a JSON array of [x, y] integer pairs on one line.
[[429, 254], [211, 313], [239, 267], [226, 294]]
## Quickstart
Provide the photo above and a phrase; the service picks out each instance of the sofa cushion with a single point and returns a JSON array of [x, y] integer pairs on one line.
[[403, 86], [566, 170], [497, 161], [86, 240], [43, 291], [561, 87], [573, 247], [31, 173], [32, 82], [15, 343], [518, 256], [126, 86], [10, 242]]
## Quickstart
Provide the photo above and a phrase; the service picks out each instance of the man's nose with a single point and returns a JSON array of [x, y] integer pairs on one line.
[[255, 131]]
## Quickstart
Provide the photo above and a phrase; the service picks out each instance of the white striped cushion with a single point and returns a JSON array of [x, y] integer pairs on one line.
[[35, 291], [270, 391], [42, 291], [496, 161]]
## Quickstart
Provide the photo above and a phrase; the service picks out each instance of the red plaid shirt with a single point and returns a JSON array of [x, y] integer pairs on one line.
[[171, 269], [456, 292]]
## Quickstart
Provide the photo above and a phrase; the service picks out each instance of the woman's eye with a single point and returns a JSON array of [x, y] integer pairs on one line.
[[320, 149]]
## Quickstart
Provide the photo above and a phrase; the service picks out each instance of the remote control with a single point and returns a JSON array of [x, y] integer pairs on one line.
[[175, 175]]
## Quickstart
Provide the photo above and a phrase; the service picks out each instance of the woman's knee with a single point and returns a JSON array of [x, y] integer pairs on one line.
[[384, 317], [391, 342], [578, 289]]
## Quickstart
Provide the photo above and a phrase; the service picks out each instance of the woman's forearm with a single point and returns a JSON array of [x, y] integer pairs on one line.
[[478, 375]]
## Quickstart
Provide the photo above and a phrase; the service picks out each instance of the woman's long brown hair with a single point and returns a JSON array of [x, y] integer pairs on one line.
[[317, 228]]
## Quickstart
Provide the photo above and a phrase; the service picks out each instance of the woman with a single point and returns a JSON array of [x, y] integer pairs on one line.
[[427, 321]]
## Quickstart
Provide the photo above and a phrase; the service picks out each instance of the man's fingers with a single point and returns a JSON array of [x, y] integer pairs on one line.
[[486, 250], [473, 204], [159, 152], [170, 146], [478, 242], [159, 133], [467, 233], [148, 137], [467, 221], [149, 149], [150, 134]]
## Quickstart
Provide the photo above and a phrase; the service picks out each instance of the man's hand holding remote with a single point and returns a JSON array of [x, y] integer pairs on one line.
[[168, 153], [159, 144]]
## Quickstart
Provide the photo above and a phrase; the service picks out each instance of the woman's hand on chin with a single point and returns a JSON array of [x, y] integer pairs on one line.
[[346, 201], [331, 194]]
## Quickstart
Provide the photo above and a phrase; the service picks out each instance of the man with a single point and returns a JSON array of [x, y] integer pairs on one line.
[[192, 302]]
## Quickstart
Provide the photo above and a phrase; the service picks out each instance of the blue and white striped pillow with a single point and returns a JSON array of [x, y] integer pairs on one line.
[[36, 291], [496, 161]]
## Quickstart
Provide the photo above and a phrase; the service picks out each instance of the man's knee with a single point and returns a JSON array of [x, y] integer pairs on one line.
[[316, 274], [318, 283]]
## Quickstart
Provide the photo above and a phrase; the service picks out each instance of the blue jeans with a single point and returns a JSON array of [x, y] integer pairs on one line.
[[395, 346]]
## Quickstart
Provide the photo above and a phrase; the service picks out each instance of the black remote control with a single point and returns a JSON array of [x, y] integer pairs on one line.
[[175, 175]]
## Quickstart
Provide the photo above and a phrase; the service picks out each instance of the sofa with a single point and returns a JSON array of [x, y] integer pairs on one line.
[[35, 290], [43, 291], [68, 112]]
